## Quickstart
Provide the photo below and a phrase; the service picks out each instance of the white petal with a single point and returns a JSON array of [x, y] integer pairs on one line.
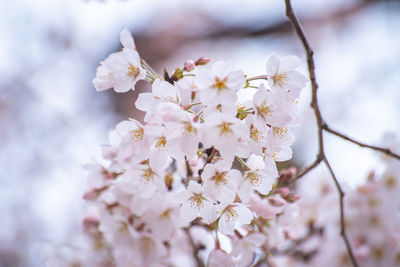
[[208, 212], [272, 65], [187, 212], [226, 224], [144, 101], [245, 191], [132, 57], [147, 189], [126, 39], [289, 63], [245, 215]]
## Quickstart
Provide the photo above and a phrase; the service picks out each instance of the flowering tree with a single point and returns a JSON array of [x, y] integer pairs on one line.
[[197, 183]]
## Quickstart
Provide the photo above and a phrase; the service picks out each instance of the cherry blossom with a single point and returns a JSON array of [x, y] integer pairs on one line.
[[282, 74], [258, 177], [197, 204], [121, 70]]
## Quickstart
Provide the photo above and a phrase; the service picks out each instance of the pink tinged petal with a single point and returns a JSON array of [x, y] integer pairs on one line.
[[147, 189], [272, 65], [245, 215], [132, 56], [102, 81], [208, 212], [284, 154], [247, 257], [204, 79], [221, 69], [209, 171], [126, 39], [289, 63], [123, 85], [165, 90], [226, 97], [265, 185], [260, 96], [223, 165], [255, 162], [173, 147], [236, 80], [189, 145], [125, 127], [295, 80], [226, 224], [181, 197], [219, 193], [194, 187], [245, 191], [234, 178], [256, 239], [219, 258], [144, 101], [270, 165], [188, 212]]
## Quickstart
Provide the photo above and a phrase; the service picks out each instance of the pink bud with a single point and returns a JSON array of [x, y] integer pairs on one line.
[[283, 191], [90, 222], [202, 61], [276, 202], [90, 195], [291, 197], [189, 65]]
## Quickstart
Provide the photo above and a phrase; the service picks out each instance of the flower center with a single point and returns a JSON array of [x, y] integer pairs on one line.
[[265, 110], [219, 178], [220, 84], [255, 178], [391, 182], [280, 79], [148, 174], [281, 132], [188, 127], [132, 71], [225, 128], [255, 134], [137, 134], [161, 142], [196, 201], [231, 214]]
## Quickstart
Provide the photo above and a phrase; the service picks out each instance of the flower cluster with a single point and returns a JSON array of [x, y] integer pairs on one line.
[[203, 160], [197, 184], [372, 220]]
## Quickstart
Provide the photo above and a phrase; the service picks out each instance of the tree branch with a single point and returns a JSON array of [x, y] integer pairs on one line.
[[347, 138], [320, 124], [342, 217]]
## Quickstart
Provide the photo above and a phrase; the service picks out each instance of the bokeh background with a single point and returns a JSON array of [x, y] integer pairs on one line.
[[53, 121]]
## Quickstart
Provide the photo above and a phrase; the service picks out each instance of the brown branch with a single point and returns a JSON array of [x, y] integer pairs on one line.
[[320, 124], [342, 217], [316, 162], [347, 138]]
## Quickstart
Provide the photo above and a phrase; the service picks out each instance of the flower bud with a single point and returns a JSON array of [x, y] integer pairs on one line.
[[276, 202], [202, 61], [189, 65]]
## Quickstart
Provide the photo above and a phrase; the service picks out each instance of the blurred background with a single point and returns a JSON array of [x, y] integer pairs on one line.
[[53, 121]]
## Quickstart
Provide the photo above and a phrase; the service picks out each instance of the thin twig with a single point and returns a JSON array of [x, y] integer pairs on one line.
[[320, 123], [342, 217], [316, 162], [347, 138]]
